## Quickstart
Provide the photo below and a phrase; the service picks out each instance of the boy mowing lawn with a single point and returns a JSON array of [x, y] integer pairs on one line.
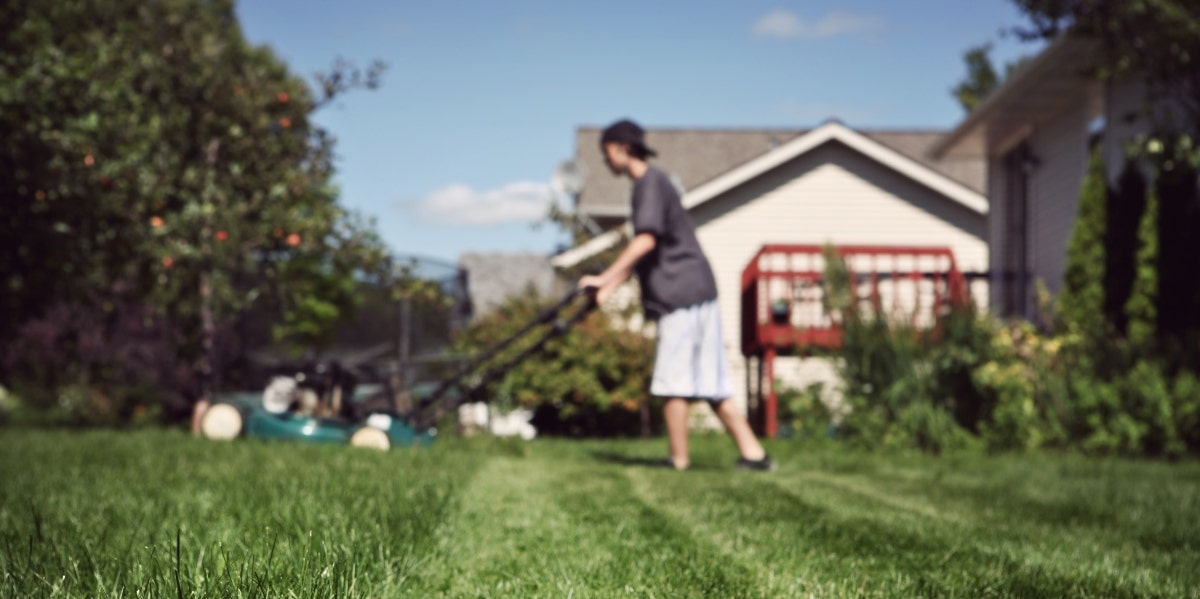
[[680, 292]]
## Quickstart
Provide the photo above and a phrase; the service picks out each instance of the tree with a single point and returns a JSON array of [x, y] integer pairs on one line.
[[149, 154], [1142, 308], [1159, 39], [981, 78], [1083, 284]]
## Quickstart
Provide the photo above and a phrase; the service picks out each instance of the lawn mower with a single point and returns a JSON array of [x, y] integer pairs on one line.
[[325, 404]]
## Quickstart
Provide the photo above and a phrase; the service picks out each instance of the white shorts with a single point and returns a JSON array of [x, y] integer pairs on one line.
[[690, 359]]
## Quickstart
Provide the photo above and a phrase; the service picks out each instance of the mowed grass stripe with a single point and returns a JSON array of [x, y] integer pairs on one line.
[[1097, 519], [806, 533], [651, 552], [558, 524], [506, 537], [793, 546], [923, 555], [110, 514]]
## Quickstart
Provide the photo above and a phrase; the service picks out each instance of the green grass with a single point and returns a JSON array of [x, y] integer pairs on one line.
[[159, 514]]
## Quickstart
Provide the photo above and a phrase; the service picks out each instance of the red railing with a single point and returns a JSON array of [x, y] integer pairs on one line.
[[785, 310]]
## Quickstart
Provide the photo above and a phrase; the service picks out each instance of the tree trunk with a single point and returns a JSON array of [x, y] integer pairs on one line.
[[207, 334]]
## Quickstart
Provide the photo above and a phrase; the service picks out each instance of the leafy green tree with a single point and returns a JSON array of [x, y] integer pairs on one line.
[[1158, 39], [1083, 284], [1142, 308], [150, 153], [981, 78]]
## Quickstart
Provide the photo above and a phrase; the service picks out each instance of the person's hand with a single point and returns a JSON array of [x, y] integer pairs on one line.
[[596, 286]]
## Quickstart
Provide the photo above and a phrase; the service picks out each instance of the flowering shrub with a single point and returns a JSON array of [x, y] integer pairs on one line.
[[1026, 404], [1025, 390]]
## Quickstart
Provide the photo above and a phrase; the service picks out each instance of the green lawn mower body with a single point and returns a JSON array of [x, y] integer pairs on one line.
[[243, 415]]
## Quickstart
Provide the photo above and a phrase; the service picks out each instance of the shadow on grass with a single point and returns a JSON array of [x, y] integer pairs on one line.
[[644, 462]]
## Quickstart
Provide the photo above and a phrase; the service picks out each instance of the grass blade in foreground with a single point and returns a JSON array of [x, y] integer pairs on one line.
[[160, 514]]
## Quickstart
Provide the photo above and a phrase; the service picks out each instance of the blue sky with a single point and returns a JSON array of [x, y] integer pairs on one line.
[[481, 99]]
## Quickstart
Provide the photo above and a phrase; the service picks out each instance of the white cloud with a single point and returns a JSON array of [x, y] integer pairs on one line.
[[518, 202], [784, 24]]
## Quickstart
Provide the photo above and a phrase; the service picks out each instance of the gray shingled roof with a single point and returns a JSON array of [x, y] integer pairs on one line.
[[698, 155], [493, 278]]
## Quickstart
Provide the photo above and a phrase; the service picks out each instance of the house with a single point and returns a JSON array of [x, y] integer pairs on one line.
[[493, 278], [747, 188], [1035, 133]]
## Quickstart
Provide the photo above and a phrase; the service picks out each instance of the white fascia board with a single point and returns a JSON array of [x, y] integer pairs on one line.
[[861, 143], [589, 248]]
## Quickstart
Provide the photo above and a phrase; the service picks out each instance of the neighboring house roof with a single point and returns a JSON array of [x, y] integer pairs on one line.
[[697, 156], [493, 278], [919, 171], [1037, 91]]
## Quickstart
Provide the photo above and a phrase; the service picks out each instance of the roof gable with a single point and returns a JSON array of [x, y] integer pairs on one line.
[[834, 131]]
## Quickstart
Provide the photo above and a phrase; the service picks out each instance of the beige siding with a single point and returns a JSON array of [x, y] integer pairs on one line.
[[1061, 148], [831, 194]]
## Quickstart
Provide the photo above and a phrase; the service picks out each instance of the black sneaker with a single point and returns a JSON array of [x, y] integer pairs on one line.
[[763, 465]]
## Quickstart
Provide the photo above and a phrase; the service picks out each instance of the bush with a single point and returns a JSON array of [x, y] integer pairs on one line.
[[967, 383], [907, 388], [106, 362], [1186, 392], [1143, 411], [803, 413], [929, 428], [591, 380], [1019, 382]]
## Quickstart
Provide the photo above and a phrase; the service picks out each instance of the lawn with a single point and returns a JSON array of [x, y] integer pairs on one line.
[[159, 514]]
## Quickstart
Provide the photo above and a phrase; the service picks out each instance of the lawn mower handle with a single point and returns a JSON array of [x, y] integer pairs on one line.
[[549, 316]]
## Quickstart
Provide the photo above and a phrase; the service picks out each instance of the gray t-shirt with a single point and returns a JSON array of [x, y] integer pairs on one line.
[[675, 274]]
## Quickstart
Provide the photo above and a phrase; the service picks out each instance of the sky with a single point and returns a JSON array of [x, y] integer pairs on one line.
[[480, 100]]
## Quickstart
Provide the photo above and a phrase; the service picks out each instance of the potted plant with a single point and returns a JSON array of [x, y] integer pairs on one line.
[[781, 311]]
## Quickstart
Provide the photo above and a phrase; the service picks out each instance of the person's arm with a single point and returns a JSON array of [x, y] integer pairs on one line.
[[608, 281]]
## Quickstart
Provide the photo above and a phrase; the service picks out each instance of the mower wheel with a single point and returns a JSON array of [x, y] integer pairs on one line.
[[222, 422], [369, 436]]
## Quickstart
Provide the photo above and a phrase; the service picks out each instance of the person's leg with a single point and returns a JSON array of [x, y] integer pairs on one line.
[[674, 378], [675, 413], [739, 429], [714, 381]]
